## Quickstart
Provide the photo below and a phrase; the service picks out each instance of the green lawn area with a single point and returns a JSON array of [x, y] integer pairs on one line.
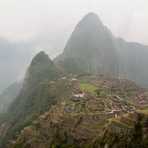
[[87, 87]]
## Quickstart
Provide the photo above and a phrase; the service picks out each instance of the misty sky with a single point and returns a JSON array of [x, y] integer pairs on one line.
[[27, 26], [48, 23]]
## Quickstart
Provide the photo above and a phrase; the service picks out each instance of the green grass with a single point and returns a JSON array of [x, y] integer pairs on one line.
[[87, 87]]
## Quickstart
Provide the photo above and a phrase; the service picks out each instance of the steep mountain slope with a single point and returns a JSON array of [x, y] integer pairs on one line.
[[95, 112], [93, 49], [90, 48], [133, 61], [40, 71], [8, 96], [34, 98]]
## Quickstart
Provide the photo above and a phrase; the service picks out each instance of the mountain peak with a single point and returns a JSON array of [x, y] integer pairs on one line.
[[41, 57], [91, 15], [41, 68], [90, 48], [91, 18]]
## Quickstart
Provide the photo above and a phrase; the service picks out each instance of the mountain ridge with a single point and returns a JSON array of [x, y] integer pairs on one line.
[[92, 48]]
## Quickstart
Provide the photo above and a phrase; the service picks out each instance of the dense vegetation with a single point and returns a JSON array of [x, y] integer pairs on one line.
[[104, 119], [34, 97]]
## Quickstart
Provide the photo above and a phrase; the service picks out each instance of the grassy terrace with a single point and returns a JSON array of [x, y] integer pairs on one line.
[[87, 87]]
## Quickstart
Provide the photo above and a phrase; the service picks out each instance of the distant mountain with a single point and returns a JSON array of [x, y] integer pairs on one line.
[[133, 61], [34, 97], [14, 58], [93, 49], [90, 49], [9, 95]]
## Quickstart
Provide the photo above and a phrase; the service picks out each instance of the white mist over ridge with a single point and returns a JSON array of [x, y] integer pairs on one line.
[[26, 20]]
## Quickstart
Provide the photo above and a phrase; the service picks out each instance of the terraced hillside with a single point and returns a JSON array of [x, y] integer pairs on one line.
[[93, 111]]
